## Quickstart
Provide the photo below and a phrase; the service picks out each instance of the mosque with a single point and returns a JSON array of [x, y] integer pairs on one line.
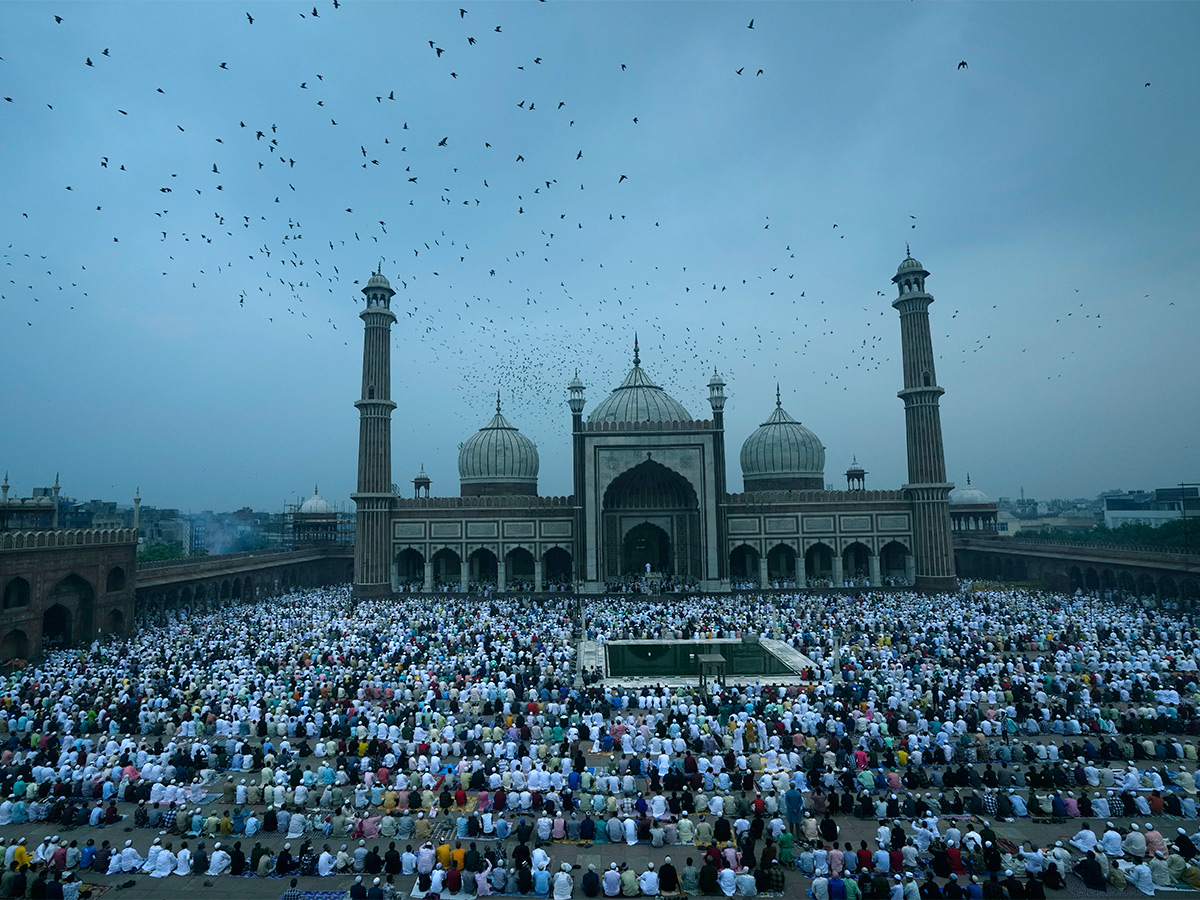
[[649, 499]]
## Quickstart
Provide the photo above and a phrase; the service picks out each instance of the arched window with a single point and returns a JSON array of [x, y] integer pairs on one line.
[[925, 379], [371, 392], [16, 593], [116, 579]]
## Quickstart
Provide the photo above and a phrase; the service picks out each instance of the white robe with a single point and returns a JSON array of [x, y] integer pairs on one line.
[[151, 856], [296, 826], [164, 864], [219, 862], [183, 862], [130, 860]]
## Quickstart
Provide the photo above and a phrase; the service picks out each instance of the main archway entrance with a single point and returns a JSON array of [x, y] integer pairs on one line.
[[646, 544], [651, 515]]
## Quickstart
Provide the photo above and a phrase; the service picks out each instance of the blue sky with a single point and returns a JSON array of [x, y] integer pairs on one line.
[[211, 352]]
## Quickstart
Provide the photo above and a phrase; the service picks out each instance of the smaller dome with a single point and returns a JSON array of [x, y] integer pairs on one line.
[[716, 381], [315, 504], [378, 280], [909, 265], [968, 495], [781, 454], [498, 459], [575, 383], [421, 476]]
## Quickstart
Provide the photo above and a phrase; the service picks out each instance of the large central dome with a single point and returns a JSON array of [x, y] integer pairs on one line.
[[639, 399]]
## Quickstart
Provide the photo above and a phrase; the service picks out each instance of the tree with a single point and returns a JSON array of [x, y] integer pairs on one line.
[[159, 552]]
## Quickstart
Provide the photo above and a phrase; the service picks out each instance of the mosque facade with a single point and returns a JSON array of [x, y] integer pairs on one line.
[[649, 498]]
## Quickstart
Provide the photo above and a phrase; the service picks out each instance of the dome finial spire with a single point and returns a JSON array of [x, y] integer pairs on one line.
[[497, 402], [778, 402], [637, 361], [968, 479], [316, 489]]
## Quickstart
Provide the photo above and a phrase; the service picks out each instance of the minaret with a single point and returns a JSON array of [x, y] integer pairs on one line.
[[716, 399], [137, 508], [927, 487], [575, 401], [374, 498], [57, 488]]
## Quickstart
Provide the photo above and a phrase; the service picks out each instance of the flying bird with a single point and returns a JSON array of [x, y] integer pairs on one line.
[[250, 18], [739, 71], [462, 13], [222, 66], [962, 64], [751, 25], [58, 19]]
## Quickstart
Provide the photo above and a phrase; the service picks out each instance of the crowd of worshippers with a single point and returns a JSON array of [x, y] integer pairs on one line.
[[314, 714]]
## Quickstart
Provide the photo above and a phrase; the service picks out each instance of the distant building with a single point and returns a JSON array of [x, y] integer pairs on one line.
[[315, 522], [1150, 507], [971, 509]]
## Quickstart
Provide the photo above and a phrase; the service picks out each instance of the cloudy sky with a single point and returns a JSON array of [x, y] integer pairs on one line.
[[187, 221]]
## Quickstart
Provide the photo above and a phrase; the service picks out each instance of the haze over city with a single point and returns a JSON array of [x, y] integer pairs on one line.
[[193, 202]]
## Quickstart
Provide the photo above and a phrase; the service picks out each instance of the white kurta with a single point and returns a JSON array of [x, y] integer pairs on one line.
[[219, 862], [164, 864]]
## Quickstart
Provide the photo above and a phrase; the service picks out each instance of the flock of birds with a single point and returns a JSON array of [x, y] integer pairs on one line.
[[237, 221]]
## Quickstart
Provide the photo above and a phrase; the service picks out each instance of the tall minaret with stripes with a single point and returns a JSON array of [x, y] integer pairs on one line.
[[927, 487], [375, 497]]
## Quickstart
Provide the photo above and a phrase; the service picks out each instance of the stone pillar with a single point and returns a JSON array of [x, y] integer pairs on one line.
[[501, 573], [801, 574], [873, 568], [428, 576], [537, 574], [762, 571], [910, 568], [465, 570], [838, 578]]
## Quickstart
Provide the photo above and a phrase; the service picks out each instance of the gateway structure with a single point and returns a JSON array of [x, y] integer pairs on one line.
[[649, 499]]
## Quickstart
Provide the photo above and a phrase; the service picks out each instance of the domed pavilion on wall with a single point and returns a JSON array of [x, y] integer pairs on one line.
[[649, 496]]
